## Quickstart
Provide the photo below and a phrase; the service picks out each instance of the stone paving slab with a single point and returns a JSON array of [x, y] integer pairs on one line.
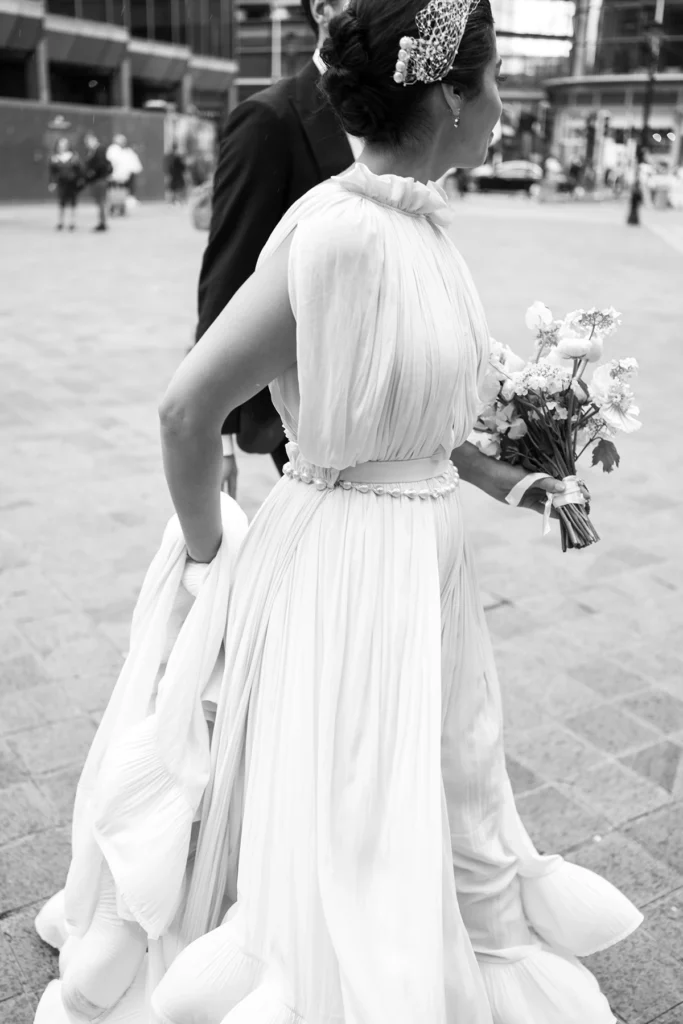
[[589, 644]]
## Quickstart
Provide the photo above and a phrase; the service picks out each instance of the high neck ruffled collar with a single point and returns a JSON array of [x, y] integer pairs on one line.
[[404, 194]]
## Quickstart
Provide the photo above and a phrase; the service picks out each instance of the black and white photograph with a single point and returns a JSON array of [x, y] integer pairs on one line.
[[341, 578]]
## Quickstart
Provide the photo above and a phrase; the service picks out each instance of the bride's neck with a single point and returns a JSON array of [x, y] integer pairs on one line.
[[418, 164]]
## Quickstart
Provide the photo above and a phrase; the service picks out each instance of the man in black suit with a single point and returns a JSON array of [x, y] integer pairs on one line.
[[275, 147]]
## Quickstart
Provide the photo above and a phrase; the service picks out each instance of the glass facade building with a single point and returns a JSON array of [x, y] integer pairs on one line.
[[203, 25], [534, 38], [121, 53], [611, 36], [618, 78], [273, 41], [534, 42]]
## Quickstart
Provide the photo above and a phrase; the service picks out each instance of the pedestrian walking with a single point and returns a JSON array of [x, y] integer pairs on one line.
[[200, 170], [97, 171], [276, 146], [66, 179], [126, 167], [175, 171]]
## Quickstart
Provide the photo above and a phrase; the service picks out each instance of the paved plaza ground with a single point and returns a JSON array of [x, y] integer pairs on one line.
[[589, 644]]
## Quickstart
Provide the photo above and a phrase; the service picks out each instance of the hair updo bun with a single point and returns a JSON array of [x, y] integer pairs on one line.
[[349, 81], [360, 55]]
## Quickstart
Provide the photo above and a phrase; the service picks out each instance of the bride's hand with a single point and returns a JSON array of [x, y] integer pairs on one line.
[[194, 575], [498, 478], [503, 477]]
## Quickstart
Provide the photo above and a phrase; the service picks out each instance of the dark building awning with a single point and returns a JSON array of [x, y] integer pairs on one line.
[[20, 24], [92, 44], [212, 74], [158, 62]]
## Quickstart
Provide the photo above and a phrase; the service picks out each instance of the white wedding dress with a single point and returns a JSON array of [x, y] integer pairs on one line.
[[360, 852]]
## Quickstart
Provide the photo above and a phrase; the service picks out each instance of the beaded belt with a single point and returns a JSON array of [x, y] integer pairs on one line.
[[437, 476]]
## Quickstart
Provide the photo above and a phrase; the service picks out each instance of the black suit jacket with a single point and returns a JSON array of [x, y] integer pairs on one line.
[[275, 147]]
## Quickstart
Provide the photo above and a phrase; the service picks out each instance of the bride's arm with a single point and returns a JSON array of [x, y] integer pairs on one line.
[[498, 478], [251, 343]]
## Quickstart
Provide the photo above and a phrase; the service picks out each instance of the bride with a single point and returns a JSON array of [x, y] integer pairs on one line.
[[360, 859]]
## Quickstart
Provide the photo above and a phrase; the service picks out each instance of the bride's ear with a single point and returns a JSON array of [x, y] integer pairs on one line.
[[453, 100]]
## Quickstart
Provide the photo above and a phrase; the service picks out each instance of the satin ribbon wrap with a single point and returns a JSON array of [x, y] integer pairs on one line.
[[572, 495]]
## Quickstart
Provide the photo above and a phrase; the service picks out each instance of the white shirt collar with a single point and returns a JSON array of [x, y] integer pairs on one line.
[[318, 60]]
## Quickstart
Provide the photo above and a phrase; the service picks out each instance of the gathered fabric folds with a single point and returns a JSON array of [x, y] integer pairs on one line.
[[344, 846], [144, 777]]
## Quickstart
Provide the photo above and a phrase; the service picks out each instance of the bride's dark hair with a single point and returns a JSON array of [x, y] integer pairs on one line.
[[361, 54]]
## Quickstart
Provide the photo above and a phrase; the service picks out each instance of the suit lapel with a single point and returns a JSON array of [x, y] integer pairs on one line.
[[326, 138]]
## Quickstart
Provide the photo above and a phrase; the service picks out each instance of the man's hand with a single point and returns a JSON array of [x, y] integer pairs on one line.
[[229, 475]]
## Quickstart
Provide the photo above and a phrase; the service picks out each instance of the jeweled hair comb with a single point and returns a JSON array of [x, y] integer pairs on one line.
[[431, 56]]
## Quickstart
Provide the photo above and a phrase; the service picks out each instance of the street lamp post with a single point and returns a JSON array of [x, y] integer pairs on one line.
[[653, 36]]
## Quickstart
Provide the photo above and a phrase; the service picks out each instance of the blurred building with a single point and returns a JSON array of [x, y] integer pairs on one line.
[[534, 37], [599, 105], [534, 41], [110, 65], [118, 53], [274, 41]]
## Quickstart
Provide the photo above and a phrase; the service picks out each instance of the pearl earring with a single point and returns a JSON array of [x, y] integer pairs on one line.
[[456, 121]]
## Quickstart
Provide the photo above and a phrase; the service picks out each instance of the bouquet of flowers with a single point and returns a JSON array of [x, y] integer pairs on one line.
[[543, 414]]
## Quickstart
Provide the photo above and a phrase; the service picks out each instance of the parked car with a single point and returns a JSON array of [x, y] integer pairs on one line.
[[508, 176]]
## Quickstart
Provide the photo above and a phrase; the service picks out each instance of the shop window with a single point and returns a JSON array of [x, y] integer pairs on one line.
[[256, 65], [671, 56], [94, 10], [70, 83], [139, 19], [13, 78], [613, 98], [163, 21], [154, 92], [64, 7]]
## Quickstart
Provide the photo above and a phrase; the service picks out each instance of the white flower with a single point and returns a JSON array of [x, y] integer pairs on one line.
[[574, 318], [487, 443], [552, 357], [509, 388], [625, 419], [514, 363], [602, 321], [614, 398], [496, 350], [541, 378], [518, 428], [538, 315], [490, 386], [486, 419], [569, 347], [572, 341], [579, 390], [624, 368], [507, 422], [504, 360], [599, 321], [604, 430], [561, 413]]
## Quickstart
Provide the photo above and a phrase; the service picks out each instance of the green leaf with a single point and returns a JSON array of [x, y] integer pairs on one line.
[[605, 453]]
